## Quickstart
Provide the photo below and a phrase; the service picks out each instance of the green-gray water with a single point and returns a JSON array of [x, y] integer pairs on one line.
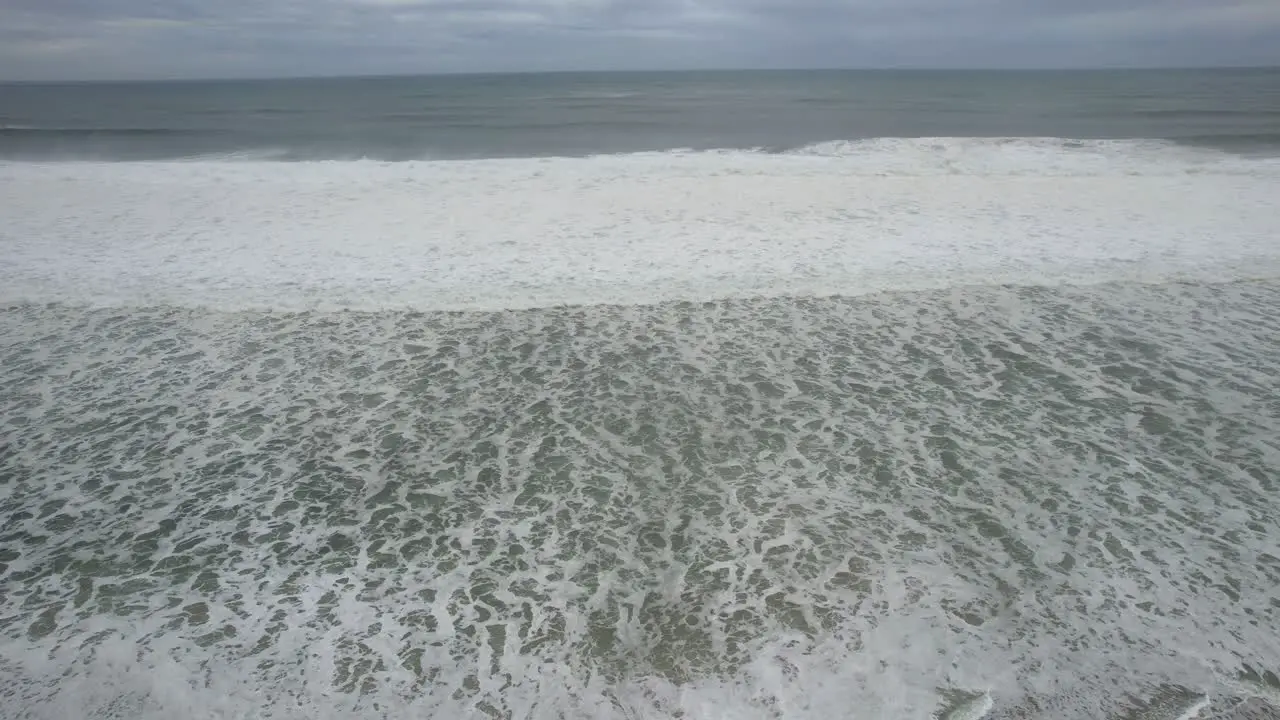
[[982, 425], [418, 118]]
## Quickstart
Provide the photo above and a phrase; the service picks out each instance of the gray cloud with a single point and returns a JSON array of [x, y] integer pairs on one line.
[[186, 38]]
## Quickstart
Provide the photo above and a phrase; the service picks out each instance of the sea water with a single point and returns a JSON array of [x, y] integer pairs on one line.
[[978, 423]]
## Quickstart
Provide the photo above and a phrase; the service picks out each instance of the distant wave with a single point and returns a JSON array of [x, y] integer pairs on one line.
[[1029, 156], [892, 156], [246, 155], [840, 148], [591, 95], [429, 115], [34, 131], [470, 123], [1204, 113], [1231, 141], [233, 112]]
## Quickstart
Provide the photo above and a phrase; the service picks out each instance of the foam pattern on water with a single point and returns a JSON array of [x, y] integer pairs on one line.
[[1016, 502], [853, 218]]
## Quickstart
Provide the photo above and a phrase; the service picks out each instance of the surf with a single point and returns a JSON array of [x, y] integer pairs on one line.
[[837, 219]]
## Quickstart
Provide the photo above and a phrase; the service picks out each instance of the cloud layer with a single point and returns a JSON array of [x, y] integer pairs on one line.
[[218, 38]]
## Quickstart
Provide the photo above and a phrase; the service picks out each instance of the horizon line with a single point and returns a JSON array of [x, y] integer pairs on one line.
[[667, 71]]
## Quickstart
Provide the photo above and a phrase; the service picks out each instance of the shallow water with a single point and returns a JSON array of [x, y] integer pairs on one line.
[[740, 508]]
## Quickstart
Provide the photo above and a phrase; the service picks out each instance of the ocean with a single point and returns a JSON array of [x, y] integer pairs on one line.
[[557, 115], [865, 395]]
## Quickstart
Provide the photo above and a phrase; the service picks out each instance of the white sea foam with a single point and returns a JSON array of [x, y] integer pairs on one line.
[[841, 218], [992, 502], [988, 502]]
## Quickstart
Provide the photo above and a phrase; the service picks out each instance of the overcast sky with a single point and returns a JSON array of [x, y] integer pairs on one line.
[[72, 39]]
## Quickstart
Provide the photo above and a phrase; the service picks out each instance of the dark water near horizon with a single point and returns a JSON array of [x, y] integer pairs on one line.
[[445, 117]]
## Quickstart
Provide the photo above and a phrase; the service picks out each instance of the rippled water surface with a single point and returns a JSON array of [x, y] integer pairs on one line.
[[752, 508]]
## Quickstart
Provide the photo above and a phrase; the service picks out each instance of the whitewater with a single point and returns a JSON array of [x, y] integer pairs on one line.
[[887, 428], [836, 218]]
